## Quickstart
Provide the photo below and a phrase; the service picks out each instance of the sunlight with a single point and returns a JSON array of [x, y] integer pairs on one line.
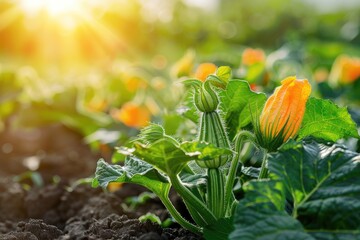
[[53, 7], [67, 32]]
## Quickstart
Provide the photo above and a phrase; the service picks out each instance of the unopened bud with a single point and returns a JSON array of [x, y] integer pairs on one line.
[[206, 99]]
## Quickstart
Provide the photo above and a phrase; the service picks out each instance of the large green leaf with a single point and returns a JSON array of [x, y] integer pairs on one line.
[[219, 230], [261, 214], [134, 171], [323, 183], [323, 119], [163, 154], [171, 157], [240, 104]]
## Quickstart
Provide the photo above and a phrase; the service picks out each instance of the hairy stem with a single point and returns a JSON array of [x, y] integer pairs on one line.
[[177, 216], [240, 139], [215, 192], [192, 200], [263, 170], [199, 220]]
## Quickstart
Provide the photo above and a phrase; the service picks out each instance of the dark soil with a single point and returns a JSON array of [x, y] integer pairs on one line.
[[55, 211]]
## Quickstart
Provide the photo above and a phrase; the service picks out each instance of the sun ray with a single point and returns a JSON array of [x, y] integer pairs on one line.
[[9, 16], [65, 33], [53, 7]]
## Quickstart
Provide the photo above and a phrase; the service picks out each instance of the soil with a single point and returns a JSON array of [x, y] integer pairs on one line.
[[52, 210]]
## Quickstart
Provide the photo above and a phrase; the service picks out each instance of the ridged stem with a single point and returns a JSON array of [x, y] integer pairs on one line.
[[215, 192]]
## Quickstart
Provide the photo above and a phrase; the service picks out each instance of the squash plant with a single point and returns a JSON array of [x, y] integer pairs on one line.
[[307, 187]]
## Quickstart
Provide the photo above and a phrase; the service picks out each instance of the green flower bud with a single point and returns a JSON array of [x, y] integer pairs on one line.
[[206, 99]]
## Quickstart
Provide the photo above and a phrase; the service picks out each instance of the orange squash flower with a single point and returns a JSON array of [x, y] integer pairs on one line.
[[204, 70], [132, 115], [283, 113], [252, 56], [345, 70]]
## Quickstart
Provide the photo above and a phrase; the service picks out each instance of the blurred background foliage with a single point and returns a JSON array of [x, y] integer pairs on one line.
[[112, 64]]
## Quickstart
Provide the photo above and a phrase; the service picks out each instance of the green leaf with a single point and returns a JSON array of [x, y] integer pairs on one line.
[[134, 171], [150, 217], [323, 119], [252, 172], [261, 214], [336, 235], [171, 157], [204, 150], [240, 104], [164, 155], [155, 219], [193, 180], [323, 183], [219, 230], [196, 183]]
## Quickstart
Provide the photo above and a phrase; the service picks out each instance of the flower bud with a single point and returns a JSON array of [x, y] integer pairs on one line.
[[206, 99], [283, 113]]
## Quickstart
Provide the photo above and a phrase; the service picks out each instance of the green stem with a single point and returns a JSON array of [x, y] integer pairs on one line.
[[233, 207], [177, 216], [263, 170], [192, 200], [215, 192], [240, 139], [195, 215]]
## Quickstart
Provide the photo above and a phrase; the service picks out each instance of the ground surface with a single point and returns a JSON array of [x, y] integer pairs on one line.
[[52, 211]]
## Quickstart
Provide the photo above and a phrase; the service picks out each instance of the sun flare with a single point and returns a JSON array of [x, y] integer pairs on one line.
[[54, 8], [68, 32]]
